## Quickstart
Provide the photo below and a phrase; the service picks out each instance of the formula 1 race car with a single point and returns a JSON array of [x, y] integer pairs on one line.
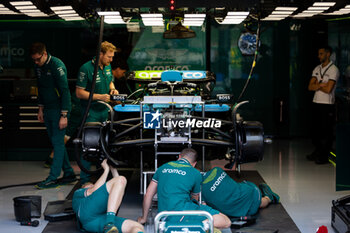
[[168, 111]]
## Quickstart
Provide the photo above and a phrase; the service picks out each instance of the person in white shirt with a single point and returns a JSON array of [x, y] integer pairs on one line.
[[323, 82]]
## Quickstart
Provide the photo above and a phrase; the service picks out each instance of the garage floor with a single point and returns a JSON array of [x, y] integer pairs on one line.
[[306, 189]]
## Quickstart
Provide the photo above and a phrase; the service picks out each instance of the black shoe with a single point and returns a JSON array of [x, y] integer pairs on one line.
[[47, 184], [67, 179], [321, 160], [110, 228]]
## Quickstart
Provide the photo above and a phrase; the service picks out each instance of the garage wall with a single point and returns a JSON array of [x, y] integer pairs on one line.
[[277, 93]]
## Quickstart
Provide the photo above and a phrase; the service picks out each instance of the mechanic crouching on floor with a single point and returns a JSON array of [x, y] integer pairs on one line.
[[234, 199], [174, 183], [104, 88], [96, 204]]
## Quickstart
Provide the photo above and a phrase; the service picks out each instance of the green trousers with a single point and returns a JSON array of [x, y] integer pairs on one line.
[[56, 135]]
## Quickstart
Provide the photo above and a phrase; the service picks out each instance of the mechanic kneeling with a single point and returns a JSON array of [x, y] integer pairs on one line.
[[174, 183]]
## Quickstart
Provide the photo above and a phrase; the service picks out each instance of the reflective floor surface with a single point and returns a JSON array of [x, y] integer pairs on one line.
[[306, 189]]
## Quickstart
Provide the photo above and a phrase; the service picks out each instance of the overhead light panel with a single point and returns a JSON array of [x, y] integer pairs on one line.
[[280, 13], [343, 11], [329, 4], [193, 19], [152, 19], [28, 8], [61, 8], [233, 17], [105, 13], [6, 11], [21, 3], [282, 8], [66, 12], [112, 17], [318, 8], [304, 15], [238, 13]]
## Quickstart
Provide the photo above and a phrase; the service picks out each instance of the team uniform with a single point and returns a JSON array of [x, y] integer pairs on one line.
[[91, 210], [98, 112], [229, 197], [176, 181], [54, 96], [323, 114]]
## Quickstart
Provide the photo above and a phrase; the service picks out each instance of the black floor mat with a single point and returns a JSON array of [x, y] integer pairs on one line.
[[274, 218], [270, 219]]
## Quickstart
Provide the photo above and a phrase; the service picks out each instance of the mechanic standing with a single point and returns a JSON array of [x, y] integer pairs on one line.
[[323, 82], [54, 106], [104, 88]]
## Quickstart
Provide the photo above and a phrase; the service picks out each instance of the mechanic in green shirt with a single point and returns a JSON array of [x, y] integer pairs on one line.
[[234, 199], [54, 106], [104, 88], [176, 184], [96, 204]]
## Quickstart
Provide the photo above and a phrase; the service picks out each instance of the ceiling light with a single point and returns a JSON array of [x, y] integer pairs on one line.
[[277, 16], [152, 19], [60, 8], [65, 12], [153, 23], [100, 13], [21, 3], [40, 14], [114, 21], [282, 12], [300, 15], [324, 4], [7, 12], [31, 11], [243, 13], [323, 8], [196, 23], [25, 7], [281, 8]]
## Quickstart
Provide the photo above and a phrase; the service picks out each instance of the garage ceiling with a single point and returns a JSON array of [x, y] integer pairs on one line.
[[86, 9]]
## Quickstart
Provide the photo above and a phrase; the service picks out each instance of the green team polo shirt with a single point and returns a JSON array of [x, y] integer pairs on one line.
[[176, 181], [221, 192], [53, 91], [103, 79]]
